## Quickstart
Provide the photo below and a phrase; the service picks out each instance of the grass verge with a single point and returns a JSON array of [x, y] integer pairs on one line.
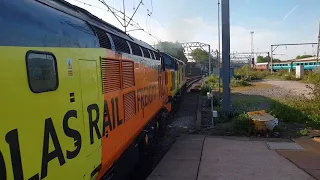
[[300, 109], [213, 82]]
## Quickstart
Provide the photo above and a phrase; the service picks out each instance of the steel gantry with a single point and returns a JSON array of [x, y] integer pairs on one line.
[[275, 46], [190, 46]]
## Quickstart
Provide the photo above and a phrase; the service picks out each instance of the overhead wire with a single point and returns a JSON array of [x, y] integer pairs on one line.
[[87, 4], [132, 23], [107, 10], [151, 14]]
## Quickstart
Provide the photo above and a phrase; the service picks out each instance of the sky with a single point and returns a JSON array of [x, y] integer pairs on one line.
[[273, 22]]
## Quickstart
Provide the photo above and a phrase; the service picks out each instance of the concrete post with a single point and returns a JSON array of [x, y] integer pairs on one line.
[[299, 72]]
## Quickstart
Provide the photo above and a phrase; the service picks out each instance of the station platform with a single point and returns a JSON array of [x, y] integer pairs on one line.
[[196, 157]]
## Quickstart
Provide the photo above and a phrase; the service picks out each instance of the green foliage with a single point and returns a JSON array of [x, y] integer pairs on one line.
[[289, 76], [235, 124], [303, 56], [238, 83], [173, 49], [275, 60], [263, 59], [200, 55], [204, 90], [301, 110], [213, 81], [278, 128], [311, 77], [246, 73], [242, 124], [303, 132], [209, 84], [283, 74], [244, 103], [285, 111]]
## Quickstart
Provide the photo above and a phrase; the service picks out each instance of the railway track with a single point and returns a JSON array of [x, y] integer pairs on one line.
[[192, 80], [191, 84]]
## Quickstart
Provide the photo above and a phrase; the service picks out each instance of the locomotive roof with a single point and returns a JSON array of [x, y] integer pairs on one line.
[[174, 58], [306, 59], [85, 15], [281, 62], [181, 62], [297, 60]]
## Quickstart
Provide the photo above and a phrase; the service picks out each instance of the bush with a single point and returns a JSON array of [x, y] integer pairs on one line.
[[209, 84], [242, 124], [311, 77], [204, 90], [285, 111], [246, 73], [289, 76], [300, 110], [238, 83], [212, 81], [281, 72]]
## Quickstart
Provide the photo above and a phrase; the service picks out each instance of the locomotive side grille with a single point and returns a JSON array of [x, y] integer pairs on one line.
[[104, 40], [120, 44], [110, 75], [127, 74], [129, 100]]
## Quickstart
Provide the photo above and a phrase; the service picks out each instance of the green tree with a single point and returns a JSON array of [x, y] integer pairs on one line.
[[173, 49], [276, 60], [303, 56], [262, 59], [200, 55]]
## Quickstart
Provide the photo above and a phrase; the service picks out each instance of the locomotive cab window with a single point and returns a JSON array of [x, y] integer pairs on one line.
[[42, 71]]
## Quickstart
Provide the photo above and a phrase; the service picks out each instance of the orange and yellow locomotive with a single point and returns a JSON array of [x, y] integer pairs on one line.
[[78, 96]]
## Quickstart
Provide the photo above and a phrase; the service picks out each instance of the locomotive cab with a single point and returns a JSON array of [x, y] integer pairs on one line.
[[170, 66]]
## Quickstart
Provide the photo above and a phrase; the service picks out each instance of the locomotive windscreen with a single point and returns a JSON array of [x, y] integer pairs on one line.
[[168, 61]]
